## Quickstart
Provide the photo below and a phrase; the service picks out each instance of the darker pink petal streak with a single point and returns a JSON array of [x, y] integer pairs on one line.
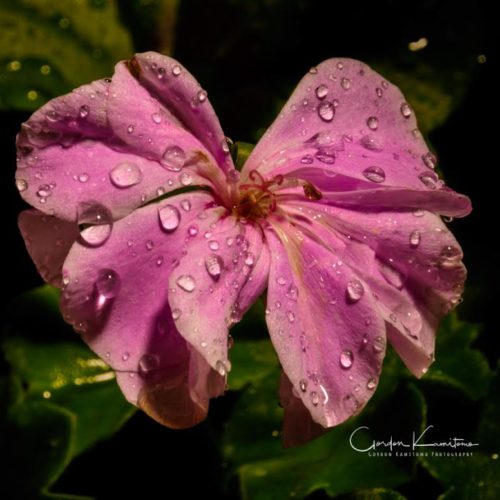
[[336, 213]]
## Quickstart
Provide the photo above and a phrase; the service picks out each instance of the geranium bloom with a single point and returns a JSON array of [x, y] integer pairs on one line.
[[336, 213]]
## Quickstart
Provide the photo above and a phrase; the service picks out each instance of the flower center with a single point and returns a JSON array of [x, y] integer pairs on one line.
[[257, 199]]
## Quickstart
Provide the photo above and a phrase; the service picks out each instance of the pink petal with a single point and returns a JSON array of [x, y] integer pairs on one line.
[[117, 298], [411, 261], [48, 241], [345, 119], [324, 324], [222, 272], [102, 143]]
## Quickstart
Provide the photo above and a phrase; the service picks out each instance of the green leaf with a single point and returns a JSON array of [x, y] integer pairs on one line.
[[456, 364], [252, 446], [489, 425], [39, 447], [52, 46], [56, 365]]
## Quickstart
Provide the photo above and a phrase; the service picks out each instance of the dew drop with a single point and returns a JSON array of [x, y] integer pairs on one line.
[[213, 265], [176, 70], [125, 356], [83, 177], [371, 143], [193, 230], [125, 175], [84, 111], [291, 316], [226, 145], [176, 314], [345, 83], [159, 261], [314, 396], [221, 368], [372, 122], [281, 280], [371, 384], [249, 259], [429, 160], [303, 384], [292, 293], [379, 92], [346, 359], [21, 185], [307, 159], [213, 245], [355, 290], [108, 283], [186, 282], [428, 179], [201, 96], [378, 344], [321, 91], [415, 238], [148, 363], [170, 218], [326, 111], [156, 117], [44, 191], [405, 110], [327, 156], [130, 129], [186, 205], [374, 174], [173, 158], [99, 220], [186, 179]]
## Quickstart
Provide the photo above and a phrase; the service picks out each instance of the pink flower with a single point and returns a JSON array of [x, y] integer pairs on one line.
[[336, 213]]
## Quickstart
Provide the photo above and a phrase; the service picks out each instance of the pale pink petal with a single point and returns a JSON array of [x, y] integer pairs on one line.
[[48, 241], [219, 276], [345, 119], [117, 297], [324, 324]]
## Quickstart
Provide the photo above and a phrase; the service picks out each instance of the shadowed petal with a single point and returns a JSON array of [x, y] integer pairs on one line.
[[48, 241], [324, 324]]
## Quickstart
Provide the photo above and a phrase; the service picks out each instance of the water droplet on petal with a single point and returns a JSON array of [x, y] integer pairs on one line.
[[186, 179], [405, 110], [84, 111], [355, 290], [170, 218], [379, 92], [176, 70], [374, 174], [186, 282], [345, 83], [428, 179], [176, 314], [429, 160], [372, 122], [201, 96], [303, 384], [346, 359], [148, 363], [108, 283], [125, 356], [307, 159], [130, 129], [125, 175], [226, 145], [291, 316], [249, 259], [292, 293], [415, 238], [159, 261], [21, 185], [327, 156], [83, 177], [326, 111], [221, 368], [313, 70], [156, 117], [213, 245], [173, 158], [281, 280], [214, 265], [378, 344], [100, 223], [186, 205], [371, 143], [371, 384], [314, 396], [321, 91], [193, 230], [44, 191]]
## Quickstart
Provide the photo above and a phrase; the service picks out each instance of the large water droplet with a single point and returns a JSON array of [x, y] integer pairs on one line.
[[44, 191], [415, 238], [170, 218], [156, 117], [221, 367], [326, 155], [186, 282], [378, 344], [214, 265], [314, 396], [326, 111], [292, 293], [186, 179], [321, 91], [125, 175], [405, 110], [371, 143], [201, 96], [374, 174], [372, 122], [176, 70], [355, 290], [173, 158], [148, 363], [100, 222], [346, 359], [108, 283]]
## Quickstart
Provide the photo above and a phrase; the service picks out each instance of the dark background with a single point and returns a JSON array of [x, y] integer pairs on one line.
[[249, 56]]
